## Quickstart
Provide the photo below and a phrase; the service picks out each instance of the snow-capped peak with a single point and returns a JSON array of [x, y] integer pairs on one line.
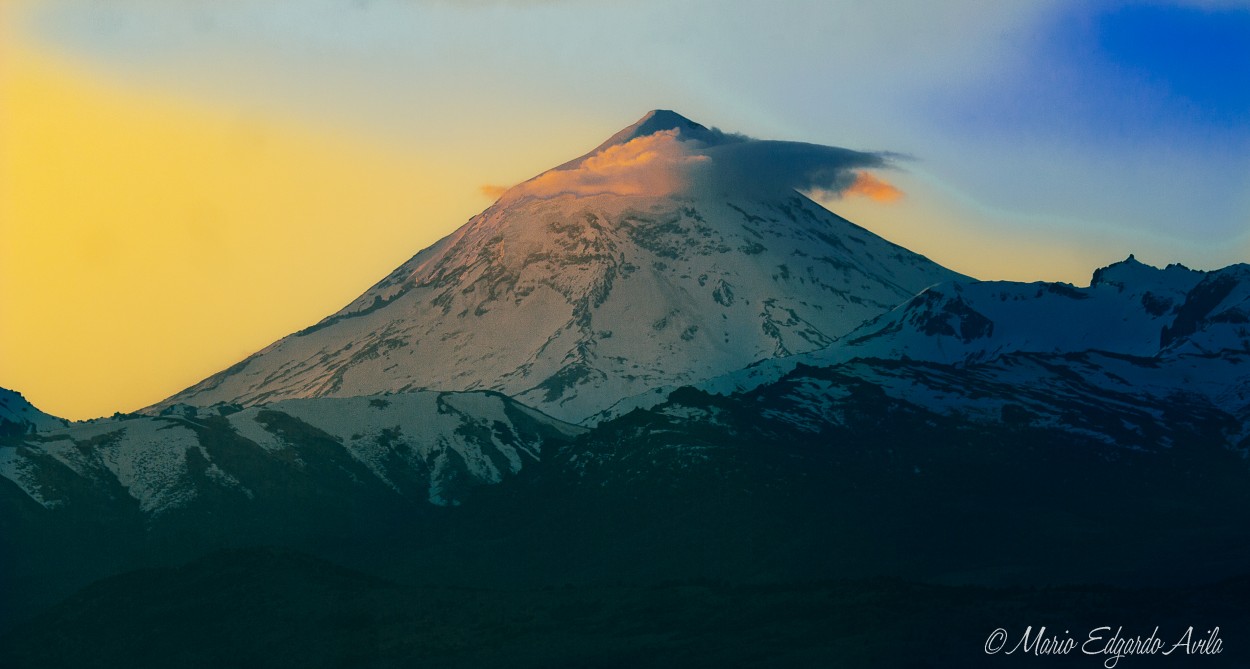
[[660, 120], [658, 131], [611, 275], [1132, 272]]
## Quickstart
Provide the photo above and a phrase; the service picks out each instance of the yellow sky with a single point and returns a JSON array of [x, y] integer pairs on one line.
[[146, 242], [965, 238]]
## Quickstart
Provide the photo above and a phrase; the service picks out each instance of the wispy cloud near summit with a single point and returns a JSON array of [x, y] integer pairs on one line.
[[874, 188], [676, 159], [767, 165], [656, 164]]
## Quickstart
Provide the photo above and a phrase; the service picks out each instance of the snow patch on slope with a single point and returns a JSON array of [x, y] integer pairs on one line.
[[433, 446]]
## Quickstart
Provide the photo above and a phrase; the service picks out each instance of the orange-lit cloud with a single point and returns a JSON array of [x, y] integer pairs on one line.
[[493, 191], [655, 164], [873, 188]]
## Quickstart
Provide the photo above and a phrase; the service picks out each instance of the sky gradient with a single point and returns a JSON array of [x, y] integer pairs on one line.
[[183, 182]]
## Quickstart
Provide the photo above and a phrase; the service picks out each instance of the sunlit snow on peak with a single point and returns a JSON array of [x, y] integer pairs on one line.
[[664, 153]]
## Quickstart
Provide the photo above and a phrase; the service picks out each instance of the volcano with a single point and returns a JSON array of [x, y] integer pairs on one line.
[[670, 254]]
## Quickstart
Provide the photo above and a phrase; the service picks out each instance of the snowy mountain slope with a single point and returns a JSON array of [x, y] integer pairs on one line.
[[629, 268], [17, 416], [1129, 309], [1104, 402], [1214, 317], [965, 323], [1123, 402], [425, 446]]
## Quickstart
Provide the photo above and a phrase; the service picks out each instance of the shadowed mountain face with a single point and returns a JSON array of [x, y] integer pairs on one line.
[[17, 416], [80, 502], [694, 534], [643, 264]]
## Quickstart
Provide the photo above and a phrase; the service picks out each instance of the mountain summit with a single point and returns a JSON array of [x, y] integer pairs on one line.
[[660, 120], [658, 259]]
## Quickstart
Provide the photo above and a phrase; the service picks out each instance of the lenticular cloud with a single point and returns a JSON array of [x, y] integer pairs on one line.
[[688, 156], [657, 164]]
